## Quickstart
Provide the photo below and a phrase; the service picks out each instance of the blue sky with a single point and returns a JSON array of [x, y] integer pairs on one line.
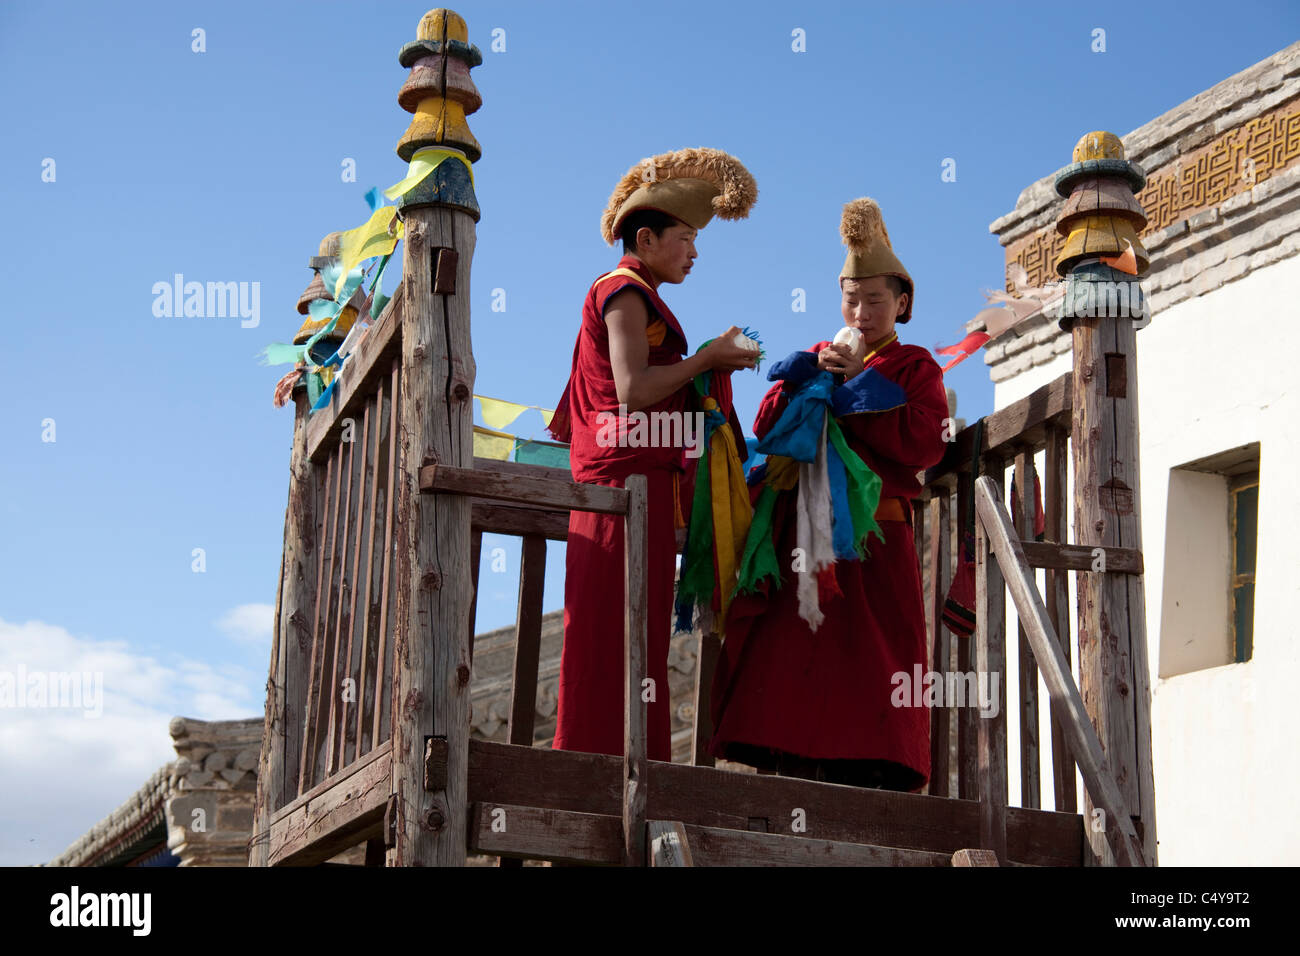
[[226, 165]]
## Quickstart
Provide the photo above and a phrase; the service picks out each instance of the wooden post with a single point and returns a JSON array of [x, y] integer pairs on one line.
[[941, 647], [1101, 306], [1058, 608], [292, 623], [431, 663], [990, 665], [635, 761], [1030, 789]]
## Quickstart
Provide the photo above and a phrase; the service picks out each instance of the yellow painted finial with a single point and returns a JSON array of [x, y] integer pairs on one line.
[[1099, 144], [434, 22]]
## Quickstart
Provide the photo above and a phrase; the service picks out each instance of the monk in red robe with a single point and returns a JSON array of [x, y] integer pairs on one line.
[[818, 704], [629, 360]]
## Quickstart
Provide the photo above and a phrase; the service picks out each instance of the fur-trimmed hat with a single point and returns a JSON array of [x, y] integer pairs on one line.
[[870, 252], [693, 185]]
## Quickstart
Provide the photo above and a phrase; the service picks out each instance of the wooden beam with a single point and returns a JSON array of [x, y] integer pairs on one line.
[[974, 858], [528, 641], [368, 363], [990, 665], [939, 560], [705, 796], [568, 836], [1030, 784], [1020, 423], [341, 813], [668, 842], [636, 613], [535, 833], [504, 518], [1076, 557], [539, 492], [1058, 607], [1119, 829], [706, 665]]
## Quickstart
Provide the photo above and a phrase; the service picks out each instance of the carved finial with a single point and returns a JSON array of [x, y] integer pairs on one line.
[[439, 90], [1103, 255]]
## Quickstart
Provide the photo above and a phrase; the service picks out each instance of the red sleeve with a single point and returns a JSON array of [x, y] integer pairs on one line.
[[913, 434]]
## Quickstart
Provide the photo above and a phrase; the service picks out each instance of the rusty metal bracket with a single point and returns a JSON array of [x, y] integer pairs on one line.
[[435, 763]]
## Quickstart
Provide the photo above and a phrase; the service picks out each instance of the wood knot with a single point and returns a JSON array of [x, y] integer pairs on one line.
[[431, 580], [462, 675], [434, 820], [418, 352], [460, 392]]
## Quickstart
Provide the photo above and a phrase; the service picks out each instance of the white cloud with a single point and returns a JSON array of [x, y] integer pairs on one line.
[[250, 624], [64, 769]]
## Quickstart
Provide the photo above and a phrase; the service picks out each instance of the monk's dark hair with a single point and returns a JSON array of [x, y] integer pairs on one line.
[[651, 219]]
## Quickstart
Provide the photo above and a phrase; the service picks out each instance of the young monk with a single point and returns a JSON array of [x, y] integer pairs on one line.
[[629, 358], [817, 704]]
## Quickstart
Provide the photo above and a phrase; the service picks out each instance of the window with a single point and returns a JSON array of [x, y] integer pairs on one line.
[[1243, 498], [1207, 614]]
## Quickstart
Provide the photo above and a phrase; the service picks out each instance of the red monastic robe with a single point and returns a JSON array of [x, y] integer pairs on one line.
[[826, 694], [590, 711]]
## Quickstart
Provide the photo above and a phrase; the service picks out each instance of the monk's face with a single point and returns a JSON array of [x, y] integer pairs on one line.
[[870, 306], [670, 255]]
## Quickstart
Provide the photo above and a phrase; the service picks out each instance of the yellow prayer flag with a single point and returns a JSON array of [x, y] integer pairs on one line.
[[495, 445], [366, 241], [499, 414]]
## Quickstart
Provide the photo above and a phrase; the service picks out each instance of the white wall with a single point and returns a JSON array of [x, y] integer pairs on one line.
[[1216, 372]]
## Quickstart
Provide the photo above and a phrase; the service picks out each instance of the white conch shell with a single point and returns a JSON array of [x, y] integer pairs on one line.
[[853, 339], [745, 342]]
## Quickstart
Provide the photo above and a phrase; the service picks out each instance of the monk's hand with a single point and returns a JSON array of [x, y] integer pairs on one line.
[[726, 356], [838, 358]]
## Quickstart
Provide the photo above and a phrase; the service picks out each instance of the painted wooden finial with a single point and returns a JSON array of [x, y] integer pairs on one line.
[[439, 90], [1101, 221], [316, 289]]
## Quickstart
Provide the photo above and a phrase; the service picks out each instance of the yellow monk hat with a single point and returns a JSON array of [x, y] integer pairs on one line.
[[862, 228], [693, 185]]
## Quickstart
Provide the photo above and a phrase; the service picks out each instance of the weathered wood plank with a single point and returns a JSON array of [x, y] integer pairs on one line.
[[1111, 608], [990, 660], [350, 670], [380, 752], [636, 614], [1020, 423], [540, 492], [320, 623], [431, 671], [706, 664], [967, 717], [1077, 557], [940, 577], [384, 653], [994, 521], [669, 845], [1058, 607], [974, 858], [365, 367], [705, 796], [521, 832], [343, 585], [350, 809], [367, 658], [518, 521], [528, 641], [293, 600], [1030, 784]]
